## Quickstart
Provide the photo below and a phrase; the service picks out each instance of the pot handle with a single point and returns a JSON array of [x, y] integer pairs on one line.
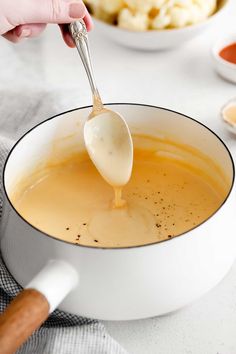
[[33, 305]]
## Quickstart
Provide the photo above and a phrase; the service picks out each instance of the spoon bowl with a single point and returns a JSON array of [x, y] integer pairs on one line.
[[110, 147]]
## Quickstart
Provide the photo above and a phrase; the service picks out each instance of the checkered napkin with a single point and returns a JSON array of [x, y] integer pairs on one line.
[[62, 333]]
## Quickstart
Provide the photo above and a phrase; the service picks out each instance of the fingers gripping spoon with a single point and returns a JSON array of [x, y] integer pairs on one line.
[[106, 134]]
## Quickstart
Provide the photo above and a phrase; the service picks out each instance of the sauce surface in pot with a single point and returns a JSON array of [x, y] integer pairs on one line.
[[173, 188]]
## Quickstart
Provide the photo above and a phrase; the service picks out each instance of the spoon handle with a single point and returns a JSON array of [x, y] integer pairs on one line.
[[79, 34]]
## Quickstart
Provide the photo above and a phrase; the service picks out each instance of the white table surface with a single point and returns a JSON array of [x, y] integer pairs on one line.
[[45, 70]]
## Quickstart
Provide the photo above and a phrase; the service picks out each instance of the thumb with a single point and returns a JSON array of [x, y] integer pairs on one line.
[[49, 11]]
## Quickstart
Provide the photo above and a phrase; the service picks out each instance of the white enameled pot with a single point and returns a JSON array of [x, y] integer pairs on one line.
[[125, 283]]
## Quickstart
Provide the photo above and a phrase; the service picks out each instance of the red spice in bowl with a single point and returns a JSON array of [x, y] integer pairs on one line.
[[228, 53]]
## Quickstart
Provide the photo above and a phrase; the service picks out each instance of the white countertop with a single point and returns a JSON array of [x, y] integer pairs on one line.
[[50, 76]]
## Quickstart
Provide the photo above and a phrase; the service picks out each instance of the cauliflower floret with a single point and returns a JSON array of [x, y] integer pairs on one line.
[[102, 15], [136, 22], [182, 3], [157, 4], [198, 9], [112, 7], [141, 15], [160, 22], [195, 15], [179, 17], [144, 5], [208, 7]]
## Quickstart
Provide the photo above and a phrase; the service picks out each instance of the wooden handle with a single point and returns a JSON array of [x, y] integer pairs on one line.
[[21, 318]]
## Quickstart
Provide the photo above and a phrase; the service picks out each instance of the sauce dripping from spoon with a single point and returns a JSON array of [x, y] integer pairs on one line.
[[106, 134]]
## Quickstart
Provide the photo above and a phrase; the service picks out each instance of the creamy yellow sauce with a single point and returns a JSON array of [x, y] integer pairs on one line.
[[165, 197]]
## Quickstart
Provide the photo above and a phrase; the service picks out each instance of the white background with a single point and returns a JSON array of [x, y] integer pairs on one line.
[[49, 77]]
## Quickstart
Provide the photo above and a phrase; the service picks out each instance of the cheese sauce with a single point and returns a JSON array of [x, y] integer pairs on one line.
[[166, 196]]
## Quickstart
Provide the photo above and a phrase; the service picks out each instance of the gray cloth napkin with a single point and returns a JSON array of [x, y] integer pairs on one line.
[[62, 333]]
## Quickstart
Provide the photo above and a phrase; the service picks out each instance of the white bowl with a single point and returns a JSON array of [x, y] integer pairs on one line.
[[228, 122], [158, 39], [224, 68]]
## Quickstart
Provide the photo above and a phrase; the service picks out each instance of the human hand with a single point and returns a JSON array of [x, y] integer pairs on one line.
[[21, 19]]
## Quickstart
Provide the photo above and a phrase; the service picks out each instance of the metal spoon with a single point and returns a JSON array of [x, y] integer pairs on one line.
[[106, 134]]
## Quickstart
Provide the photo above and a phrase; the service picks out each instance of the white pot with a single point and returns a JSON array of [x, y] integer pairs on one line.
[[125, 283]]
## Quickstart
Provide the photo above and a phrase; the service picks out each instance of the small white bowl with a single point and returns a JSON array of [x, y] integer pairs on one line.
[[158, 39], [224, 68], [228, 121]]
